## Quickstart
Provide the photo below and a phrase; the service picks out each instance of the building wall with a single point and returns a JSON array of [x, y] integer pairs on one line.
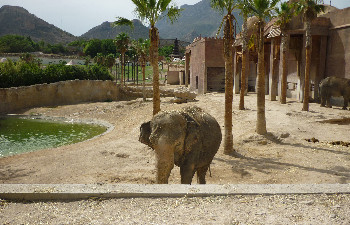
[[338, 47], [205, 53], [197, 65], [173, 77], [61, 93]]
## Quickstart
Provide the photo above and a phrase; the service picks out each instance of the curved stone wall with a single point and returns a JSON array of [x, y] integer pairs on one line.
[[13, 100]]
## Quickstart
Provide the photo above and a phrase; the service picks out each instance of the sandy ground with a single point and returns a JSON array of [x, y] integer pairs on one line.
[[281, 156]]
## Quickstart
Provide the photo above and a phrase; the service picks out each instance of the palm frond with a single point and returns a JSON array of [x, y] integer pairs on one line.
[[123, 22], [173, 13]]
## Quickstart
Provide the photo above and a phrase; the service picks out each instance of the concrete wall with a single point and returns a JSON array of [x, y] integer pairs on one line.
[[13, 100], [173, 77], [338, 50]]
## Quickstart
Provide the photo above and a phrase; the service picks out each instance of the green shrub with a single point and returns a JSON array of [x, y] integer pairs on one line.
[[25, 74]]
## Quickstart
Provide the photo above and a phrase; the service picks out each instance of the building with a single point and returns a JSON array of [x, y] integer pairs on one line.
[[330, 57], [205, 66]]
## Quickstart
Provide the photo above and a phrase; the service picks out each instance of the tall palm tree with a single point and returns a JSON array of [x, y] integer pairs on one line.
[[122, 42], [151, 11], [142, 49], [284, 15], [228, 20], [262, 9], [243, 6], [309, 10]]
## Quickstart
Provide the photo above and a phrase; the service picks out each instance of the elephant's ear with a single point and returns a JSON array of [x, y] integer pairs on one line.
[[145, 132], [192, 135]]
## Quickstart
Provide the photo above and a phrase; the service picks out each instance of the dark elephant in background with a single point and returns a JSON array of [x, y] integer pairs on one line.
[[336, 87], [188, 138]]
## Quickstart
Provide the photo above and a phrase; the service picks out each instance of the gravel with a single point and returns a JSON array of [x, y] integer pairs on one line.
[[239, 209]]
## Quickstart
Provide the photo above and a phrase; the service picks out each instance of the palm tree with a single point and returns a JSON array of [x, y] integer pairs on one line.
[[243, 6], [309, 10], [284, 14], [229, 6], [122, 42], [151, 11], [142, 48], [262, 9]]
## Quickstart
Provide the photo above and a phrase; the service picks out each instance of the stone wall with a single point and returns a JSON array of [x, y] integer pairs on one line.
[[14, 100], [338, 49]]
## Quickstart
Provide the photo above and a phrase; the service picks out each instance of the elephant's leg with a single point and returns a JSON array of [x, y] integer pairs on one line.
[[323, 102], [187, 172], [164, 162], [346, 101], [201, 172], [328, 102]]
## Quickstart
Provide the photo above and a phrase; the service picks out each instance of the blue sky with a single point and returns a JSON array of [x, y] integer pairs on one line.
[[78, 16]]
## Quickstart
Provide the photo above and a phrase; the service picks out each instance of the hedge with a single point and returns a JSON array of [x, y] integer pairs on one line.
[[25, 74]]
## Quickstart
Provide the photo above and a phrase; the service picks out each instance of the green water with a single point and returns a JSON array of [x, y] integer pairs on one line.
[[25, 135]]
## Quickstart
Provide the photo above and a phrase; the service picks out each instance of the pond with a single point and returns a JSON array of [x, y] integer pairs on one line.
[[19, 135]]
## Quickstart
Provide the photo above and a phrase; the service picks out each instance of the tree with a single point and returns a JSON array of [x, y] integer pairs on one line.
[[166, 51], [92, 48], [142, 49], [243, 6], [262, 9], [151, 11], [229, 6], [309, 10], [284, 15], [122, 42]]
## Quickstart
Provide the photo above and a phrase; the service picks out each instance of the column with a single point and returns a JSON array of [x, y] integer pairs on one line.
[[236, 74], [272, 76], [187, 67]]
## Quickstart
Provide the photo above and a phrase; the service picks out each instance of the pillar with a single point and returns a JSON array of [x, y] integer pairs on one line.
[[272, 75], [236, 74], [301, 71], [187, 68]]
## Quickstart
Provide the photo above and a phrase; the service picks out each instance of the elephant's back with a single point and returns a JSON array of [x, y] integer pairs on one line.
[[209, 128]]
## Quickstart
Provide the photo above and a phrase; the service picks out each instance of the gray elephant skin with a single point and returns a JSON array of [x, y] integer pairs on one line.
[[188, 138], [336, 87]]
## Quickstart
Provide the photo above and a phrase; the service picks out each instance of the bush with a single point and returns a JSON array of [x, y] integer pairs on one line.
[[25, 74]]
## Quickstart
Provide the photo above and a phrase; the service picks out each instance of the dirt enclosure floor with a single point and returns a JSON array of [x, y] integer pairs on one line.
[[301, 147]]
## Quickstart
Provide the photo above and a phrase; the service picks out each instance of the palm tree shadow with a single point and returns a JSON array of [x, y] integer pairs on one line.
[[244, 164]]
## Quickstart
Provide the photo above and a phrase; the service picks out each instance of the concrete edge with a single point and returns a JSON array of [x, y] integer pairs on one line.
[[71, 192]]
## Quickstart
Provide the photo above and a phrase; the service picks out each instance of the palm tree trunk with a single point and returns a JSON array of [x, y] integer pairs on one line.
[[228, 41], [261, 120], [154, 37], [284, 46], [144, 80], [307, 67], [244, 56]]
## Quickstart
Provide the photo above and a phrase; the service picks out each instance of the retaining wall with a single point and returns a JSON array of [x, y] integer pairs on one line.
[[13, 100]]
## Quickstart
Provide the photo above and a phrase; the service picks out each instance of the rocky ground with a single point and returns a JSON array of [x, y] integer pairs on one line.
[[301, 147]]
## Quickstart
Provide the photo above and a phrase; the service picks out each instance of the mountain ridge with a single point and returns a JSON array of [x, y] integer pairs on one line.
[[17, 20], [195, 20]]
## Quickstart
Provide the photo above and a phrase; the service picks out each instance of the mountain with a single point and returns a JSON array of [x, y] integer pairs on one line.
[[195, 20], [17, 20], [107, 31]]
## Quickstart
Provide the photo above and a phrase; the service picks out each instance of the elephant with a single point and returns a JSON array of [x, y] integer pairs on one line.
[[334, 86], [188, 138]]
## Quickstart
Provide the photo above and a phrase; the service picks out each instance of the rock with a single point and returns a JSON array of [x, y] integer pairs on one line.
[[285, 135], [182, 95]]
